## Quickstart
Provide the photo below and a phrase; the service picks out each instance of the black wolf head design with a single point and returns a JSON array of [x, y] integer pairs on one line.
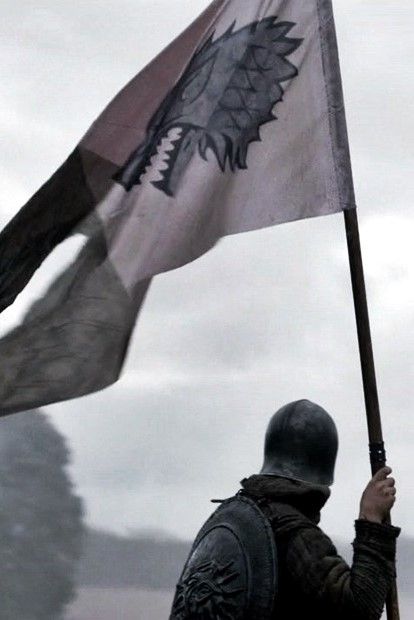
[[207, 593], [225, 95]]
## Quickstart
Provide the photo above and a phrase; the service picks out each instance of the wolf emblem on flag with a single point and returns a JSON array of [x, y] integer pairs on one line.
[[246, 104], [227, 92]]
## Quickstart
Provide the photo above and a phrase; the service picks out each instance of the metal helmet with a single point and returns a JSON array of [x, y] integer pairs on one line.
[[301, 443]]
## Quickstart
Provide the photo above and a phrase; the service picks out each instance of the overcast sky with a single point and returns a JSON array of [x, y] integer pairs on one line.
[[264, 318]]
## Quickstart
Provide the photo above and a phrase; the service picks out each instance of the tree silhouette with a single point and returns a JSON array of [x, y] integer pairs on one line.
[[40, 520]]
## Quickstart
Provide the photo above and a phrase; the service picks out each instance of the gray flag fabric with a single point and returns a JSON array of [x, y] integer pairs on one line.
[[239, 124]]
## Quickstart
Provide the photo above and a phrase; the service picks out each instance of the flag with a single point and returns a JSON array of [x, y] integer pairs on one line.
[[237, 125]]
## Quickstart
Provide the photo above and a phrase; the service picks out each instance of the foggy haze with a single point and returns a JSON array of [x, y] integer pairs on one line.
[[264, 318]]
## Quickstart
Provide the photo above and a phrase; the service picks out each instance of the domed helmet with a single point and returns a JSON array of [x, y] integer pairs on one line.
[[301, 443]]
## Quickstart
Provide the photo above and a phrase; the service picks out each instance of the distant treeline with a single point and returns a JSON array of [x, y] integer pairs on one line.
[[111, 561]]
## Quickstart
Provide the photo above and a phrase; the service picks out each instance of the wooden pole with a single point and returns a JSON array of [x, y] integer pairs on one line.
[[376, 441]]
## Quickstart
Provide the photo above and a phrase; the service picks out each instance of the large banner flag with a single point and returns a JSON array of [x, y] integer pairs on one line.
[[237, 125]]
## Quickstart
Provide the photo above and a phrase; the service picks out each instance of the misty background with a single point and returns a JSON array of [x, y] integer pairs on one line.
[[264, 318]]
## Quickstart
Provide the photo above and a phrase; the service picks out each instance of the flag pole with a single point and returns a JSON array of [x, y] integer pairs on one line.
[[376, 441]]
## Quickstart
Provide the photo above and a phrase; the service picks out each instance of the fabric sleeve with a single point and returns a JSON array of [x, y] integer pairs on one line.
[[357, 592]]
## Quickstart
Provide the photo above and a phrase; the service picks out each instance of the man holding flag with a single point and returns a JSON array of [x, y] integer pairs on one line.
[[261, 555]]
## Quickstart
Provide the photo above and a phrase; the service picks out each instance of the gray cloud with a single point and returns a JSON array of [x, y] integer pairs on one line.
[[264, 318]]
